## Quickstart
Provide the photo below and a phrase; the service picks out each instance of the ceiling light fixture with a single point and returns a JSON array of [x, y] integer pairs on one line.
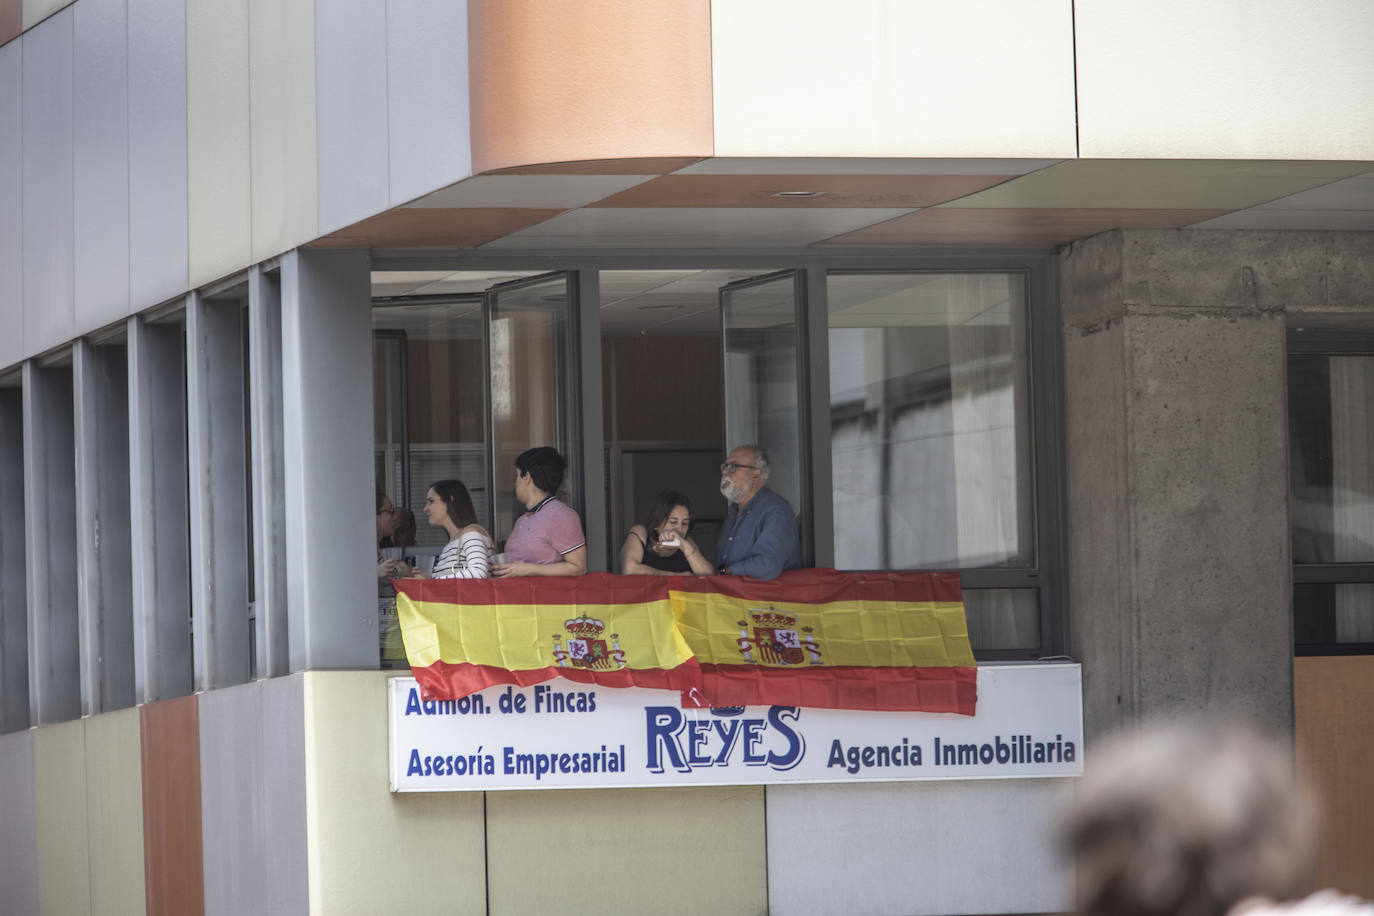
[[796, 194]]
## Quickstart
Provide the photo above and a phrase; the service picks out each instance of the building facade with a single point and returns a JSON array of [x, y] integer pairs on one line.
[[1074, 298]]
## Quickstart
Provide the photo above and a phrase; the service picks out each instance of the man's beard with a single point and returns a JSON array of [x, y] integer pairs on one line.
[[729, 490]]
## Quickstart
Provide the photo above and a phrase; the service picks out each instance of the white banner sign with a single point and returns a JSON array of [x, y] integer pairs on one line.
[[561, 734]]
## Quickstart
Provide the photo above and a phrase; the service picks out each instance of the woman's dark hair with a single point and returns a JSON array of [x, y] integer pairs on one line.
[[456, 501], [662, 507], [545, 467], [404, 533]]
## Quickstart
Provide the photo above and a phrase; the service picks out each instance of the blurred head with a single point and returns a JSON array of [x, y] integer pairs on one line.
[[403, 535], [448, 501], [1188, 818], [670, 513], [543, 467], [386, 517], [743, 473]]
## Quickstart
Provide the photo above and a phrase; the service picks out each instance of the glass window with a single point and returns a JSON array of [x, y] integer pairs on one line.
[[531, 398], [930, 422], [1331, 475], [663, 405], [930, 435]]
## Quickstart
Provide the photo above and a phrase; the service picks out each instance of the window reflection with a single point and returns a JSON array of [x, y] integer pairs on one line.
[[930, 421], [1331, 448]]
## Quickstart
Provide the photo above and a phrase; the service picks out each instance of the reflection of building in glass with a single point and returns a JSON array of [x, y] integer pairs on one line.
[[1098, 343]]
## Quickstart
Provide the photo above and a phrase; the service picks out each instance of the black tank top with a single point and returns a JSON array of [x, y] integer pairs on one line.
[[673, 562]]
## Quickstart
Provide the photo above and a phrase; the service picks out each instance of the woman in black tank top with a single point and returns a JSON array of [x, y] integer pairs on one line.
[[660, 547]]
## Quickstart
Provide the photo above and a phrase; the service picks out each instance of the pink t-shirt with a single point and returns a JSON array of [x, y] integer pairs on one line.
[[545, 533]]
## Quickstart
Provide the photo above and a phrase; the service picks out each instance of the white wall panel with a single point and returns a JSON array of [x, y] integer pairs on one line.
[[114, 811], [427, 96], [217, 112], [11, 204], [47, 206], [982, 78], [157, 151], [1290, 79], [351, 66], [101, 155], [282, 67], [920, 847]]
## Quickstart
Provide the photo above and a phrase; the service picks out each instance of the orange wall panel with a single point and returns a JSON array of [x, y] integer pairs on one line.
[[173, 863], [565, 80], [11, 19], [1333, 699]]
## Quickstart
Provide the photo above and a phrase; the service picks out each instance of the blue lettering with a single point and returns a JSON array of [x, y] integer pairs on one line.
[[728, 729], [753, 737], [796, 744], [662, 727], [698, 733], [414, 769]]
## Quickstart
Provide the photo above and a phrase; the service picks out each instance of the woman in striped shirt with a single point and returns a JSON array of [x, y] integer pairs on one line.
[[467, 555]]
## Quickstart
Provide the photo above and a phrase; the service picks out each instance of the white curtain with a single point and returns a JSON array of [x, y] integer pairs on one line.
[[1352, 472]]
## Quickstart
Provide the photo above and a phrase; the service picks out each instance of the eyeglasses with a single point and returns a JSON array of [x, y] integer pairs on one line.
[[731, 467]]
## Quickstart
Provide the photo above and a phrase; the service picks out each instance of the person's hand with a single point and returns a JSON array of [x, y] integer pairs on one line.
[[392, 569], [513, 568], [689, 549]]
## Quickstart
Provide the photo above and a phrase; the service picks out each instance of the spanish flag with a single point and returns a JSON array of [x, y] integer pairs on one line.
[[817, 637], [463, 635]]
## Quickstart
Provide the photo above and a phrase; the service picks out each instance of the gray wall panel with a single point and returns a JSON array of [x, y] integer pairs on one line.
[[14, 615], [101, 164], [48, 200], [919, 847], [427, 92], [232, 812], [50, 544], [11, 204], [19, 838], [217, 418], [157, 151], [105, 591], [283, 718], [160, 551], [351, 106], [327, 418]]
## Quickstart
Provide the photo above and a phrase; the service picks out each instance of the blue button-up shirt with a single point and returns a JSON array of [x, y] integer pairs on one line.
[[760, 540]]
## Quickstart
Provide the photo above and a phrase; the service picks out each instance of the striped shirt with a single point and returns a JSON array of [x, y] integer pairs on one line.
[[467, 556]]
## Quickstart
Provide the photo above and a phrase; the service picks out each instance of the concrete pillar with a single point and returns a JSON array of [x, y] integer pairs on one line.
[[1176, 429]]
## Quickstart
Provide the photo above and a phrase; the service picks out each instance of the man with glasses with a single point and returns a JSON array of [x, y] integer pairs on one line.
[[759, 537]]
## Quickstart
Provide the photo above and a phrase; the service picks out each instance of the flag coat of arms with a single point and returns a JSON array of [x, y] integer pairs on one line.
[[463, 635], [818, 637]]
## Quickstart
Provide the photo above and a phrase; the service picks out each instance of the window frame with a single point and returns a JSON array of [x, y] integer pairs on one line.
[[1326, 341], [1048, 576]]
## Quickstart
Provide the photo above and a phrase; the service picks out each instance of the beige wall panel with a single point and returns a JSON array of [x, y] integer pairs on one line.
[[114, 806], [1226, 79], [684, 850], [282, 56], [59, 788], [370, 851], [217, 142], [558, 80], [35, 11], [982, 78]]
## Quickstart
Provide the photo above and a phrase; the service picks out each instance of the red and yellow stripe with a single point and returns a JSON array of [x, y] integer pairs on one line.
[[463, 635], [896, 640]]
